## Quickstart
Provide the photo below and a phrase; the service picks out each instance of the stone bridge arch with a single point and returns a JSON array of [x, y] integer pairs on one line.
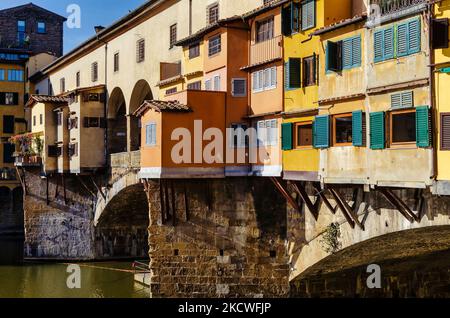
[[377, 215]]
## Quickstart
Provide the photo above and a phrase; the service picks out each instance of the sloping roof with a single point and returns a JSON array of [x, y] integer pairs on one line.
[[264, 8], [162, 106], [32, 6], [340, 24], [84, 89], [46, 99], [202, 32]]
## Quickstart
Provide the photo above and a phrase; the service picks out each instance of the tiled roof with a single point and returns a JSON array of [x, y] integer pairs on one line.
[[162, 106], [170, 80], [263, 8], [340, 24], [46, 99]]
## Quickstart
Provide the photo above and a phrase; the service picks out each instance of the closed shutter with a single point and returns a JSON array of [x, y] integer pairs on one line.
[[377, 131], [407, 99], [445, 131], [378, 50], [347, 53], [322, 131], [388, 43], [273, 76], [440, 33], [286, 136], [294, 73], [308, 14], [357, 128], [402, 39], [287, 21], [423, 126], [414, 36], [356, 51]]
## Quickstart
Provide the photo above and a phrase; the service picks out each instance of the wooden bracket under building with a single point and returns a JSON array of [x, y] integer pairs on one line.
[[285, 194], [349, 212], [98, 188], [401, 206], [22, 180], [86, 187], [323, 197], [312, 207]]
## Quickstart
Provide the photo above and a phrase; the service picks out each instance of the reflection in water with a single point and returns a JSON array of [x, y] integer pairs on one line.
[[32, 280]]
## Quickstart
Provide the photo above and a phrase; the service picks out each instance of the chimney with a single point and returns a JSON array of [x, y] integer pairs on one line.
[[98, 28]]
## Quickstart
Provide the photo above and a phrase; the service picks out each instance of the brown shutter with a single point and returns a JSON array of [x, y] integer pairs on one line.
[[445, 131]]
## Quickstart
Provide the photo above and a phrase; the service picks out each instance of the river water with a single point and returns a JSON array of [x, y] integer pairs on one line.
[[49, 280]]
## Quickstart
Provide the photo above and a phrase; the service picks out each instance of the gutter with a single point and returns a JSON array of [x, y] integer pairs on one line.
[[434, 117]]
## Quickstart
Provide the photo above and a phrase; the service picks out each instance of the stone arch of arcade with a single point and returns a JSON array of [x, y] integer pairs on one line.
[[140, 93], [11, 212], [117, 122]]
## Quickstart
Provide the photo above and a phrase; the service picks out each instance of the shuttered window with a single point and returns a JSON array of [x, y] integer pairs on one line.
[[321, 131], [358, 128], [423, 127], [286, 136], [140, 50], [408, 37], [267, 132], [445, 131], [239, 87], [94, 72], [384, 44], [9, 99], [309, 71], [377, 131], [334, 56], [264, 79], [308, 14], [402, 100], [440, 33], [8, 124], [351, 52], [293, 73], [8, 151], [150, 137]]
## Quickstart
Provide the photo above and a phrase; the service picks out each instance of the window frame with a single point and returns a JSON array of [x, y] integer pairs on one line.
[[140, 50], [37, 27], [269, 34], [409, 144], [213, 8], [116, 62], [154, 140], [194, 50], [94, 72], [216, 46], [334, 126], [296, 140], [303, 4], [173, 30], [233, 91], [313, 59]]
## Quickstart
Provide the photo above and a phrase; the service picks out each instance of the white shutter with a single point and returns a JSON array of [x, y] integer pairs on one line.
[[261, 133], [208, 85], [273, 77], [217, 83]]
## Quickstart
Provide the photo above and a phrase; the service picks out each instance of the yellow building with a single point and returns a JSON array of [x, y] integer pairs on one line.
[[301, 58]]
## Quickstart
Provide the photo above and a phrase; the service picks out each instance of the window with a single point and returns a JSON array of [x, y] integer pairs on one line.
[[21, 29], [264, 30], [78, 79], [9, 98], [408, 37], [267, 131], [292, 69], [34, 121], [403, 127], [173, 35], [94, 122], [171, 91], [214, 45], [8, 124], [41, 119], [2, 75], [59, 151], [309, 71], [238, 136], [208, 86], [59, 118], [239, 87], [116, 62], [94, 72], [195, 86], [150, 137], [15, 76], [140, 50], [212, 13], [402, 100], [52, 151], [303, 135], [342, 130], [73, 150], [445, 131], [308, 14], [8, 151], [290, 17], [264, 79], [216, 81], [440, 33], [72, 123], [384, 44], [62, 85], [41, 27], [194, 50], [345, 54]]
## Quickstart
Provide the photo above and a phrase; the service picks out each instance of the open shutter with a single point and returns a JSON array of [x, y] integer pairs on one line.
[[322, 131], [294, 73], [414, 36], [423, 127], [287, 20], [334, 56], [377, 131], [286, 136], [357, 128], [402, 39], [286, 75], [440, 33]]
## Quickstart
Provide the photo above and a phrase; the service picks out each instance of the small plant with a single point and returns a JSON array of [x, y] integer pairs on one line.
[[330, 239], [38, 142]]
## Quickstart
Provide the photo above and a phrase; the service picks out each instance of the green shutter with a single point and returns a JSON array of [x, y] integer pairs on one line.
[[378, 48], [286, 136], [423, 127], [402, 39], [377, 133], [388, 43], [286, 75], [414, 36], [356, 51], [294, 73], [347, 53], [357, 128], [322, 131]]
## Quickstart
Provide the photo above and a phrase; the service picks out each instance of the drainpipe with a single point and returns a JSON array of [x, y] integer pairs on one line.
[[432, 95]]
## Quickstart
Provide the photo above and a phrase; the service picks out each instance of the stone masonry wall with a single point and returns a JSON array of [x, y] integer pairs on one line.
[[228, 242]]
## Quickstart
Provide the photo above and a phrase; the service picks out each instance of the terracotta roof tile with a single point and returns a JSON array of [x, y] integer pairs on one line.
[[162, 106], [340, 24], [46, 99]]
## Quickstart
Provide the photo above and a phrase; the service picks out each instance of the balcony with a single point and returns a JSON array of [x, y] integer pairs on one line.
[[22, 160], [29, 148], [387, 7], [266, 51]]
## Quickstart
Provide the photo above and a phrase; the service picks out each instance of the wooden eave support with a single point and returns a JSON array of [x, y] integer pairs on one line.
[[22, 180], [98, 188], [401, 206], [323, 197], [312, 207], [350, 215], [85, 186], [285, 194]]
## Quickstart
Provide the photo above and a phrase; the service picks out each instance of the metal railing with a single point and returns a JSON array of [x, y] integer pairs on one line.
[[141, 267], [392, 6], [267, 50]]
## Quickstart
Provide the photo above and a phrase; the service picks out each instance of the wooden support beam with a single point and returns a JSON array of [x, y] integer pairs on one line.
[[350, 210], [57, 186], [174, 204], [98, 188], [22, 181], [285, 194], [64, 188], [324, 198], [398, 204], [342, 208], [48, 199], [85, 186], [300, 189]]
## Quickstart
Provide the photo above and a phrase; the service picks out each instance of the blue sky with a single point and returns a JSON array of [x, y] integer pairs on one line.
[[93, 12]]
